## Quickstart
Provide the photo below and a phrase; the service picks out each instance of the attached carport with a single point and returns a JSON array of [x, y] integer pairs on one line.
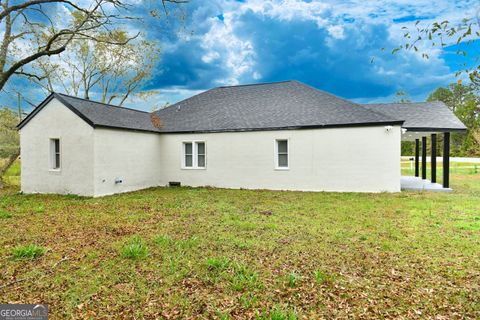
[[426, 120]]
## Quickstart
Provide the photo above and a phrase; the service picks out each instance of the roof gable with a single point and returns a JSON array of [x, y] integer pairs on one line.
[[98, 114], [44, 103]]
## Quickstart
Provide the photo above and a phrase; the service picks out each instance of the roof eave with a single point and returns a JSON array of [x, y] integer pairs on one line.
[[304, 127], [103, 126], [435, 129]]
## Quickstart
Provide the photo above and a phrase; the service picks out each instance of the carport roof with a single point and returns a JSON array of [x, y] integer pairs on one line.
[[421, 116]]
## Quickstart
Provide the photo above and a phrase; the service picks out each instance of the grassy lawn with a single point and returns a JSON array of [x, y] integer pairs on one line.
[[455, 168], [12, 175], [211, 253]]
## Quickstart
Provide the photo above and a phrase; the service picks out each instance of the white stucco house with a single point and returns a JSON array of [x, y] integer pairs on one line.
[[280, 136]]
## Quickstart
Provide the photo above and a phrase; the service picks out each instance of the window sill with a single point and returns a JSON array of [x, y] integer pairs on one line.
[[55, 170], [192, 168], [282, 168]]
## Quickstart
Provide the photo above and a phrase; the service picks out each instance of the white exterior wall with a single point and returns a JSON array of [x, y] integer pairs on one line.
[[361, 159], [76, 151], [131, 156]]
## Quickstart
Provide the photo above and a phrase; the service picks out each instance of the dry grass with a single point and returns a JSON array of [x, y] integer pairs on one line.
[[213, 253]]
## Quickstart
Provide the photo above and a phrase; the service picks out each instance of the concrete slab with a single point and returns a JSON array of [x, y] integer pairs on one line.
[[416, 183]]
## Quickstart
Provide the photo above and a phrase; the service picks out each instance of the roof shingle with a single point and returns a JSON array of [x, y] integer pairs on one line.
[[421, 116], [268, 106], [280, 105]]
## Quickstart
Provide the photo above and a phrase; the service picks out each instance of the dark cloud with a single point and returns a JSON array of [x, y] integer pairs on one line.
[[286, 48], [300, 50]]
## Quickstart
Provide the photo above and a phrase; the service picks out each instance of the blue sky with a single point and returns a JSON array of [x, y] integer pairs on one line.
[[327, 44]]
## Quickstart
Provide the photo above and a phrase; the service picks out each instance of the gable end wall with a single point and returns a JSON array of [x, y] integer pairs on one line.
[[55, 120]]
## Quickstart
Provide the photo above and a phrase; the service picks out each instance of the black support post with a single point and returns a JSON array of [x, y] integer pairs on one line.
[[417, 155], [446, 159], [424, 158], [433, 161]]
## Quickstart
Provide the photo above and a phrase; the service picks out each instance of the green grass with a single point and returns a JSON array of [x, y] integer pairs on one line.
[[293, 279], [5, 214], [463, 168], [277, 313], [243, 254], [12, 174], [31, 251], [135, 249], [323, 277]]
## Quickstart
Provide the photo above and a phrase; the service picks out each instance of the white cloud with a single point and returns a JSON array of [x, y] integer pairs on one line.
[[336, 32], [238, 55]]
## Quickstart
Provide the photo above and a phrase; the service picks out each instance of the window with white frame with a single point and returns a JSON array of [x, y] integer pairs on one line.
[[194, 155], [55, 154], [281, 153]]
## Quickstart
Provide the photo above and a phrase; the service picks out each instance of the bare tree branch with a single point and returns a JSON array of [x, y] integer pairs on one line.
[[45, 38]]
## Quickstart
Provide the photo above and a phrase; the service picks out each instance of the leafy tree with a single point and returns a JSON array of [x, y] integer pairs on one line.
[[464, 102], [461, 99], [9, 138], [443, 34], [114, 71], [33, 29]]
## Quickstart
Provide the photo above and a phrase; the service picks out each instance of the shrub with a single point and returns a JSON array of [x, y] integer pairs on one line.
[[135, 249], [31, 251]]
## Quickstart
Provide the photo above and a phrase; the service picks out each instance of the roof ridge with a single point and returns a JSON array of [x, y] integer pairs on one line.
[[378, 113], [405, 103], [221, 87], [182, 101], [255, 84], [105, 104]]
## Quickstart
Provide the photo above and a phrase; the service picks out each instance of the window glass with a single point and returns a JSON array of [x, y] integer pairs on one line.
[[57, 161], [283, 160], [201, 161], [188, 160], [188, 148], [55, 153], [201, 154], [201, 147], [282, 153], [282, 146], [188, 154]]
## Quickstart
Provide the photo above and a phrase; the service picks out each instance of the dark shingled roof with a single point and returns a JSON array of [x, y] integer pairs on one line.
[[422, 116], [280, 105], [100, 115], [268, 106]]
